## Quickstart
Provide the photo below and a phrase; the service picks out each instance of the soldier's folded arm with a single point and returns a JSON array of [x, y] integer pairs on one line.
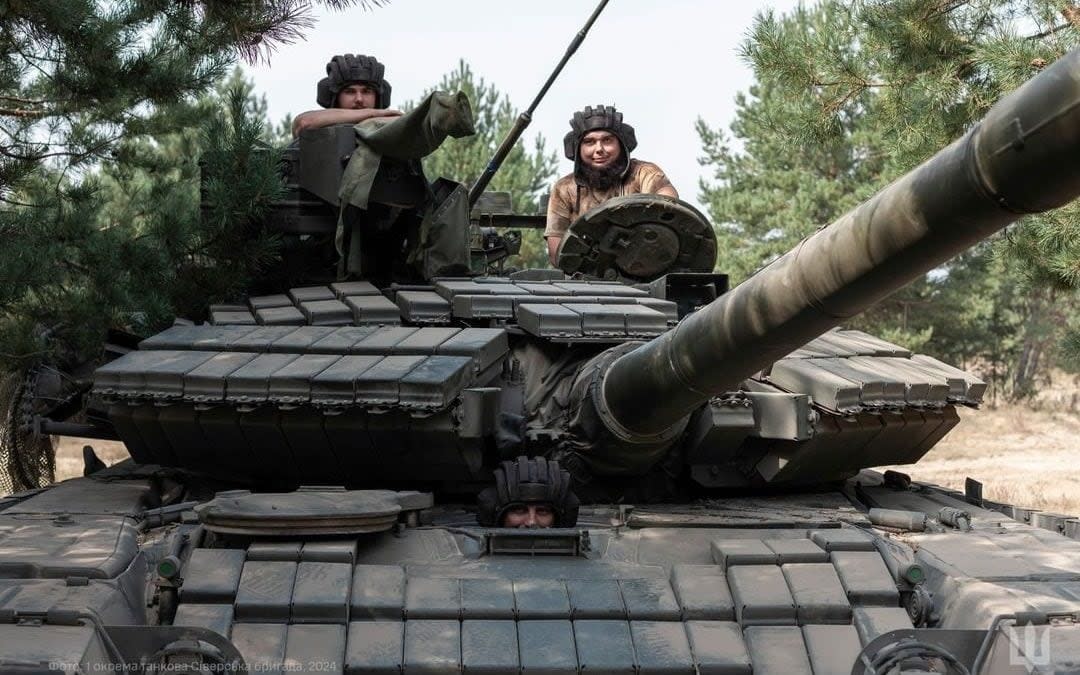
[[354, 90], [315, 119]]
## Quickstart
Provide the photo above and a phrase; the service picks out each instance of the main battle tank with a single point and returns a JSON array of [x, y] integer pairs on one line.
[[302, 489]]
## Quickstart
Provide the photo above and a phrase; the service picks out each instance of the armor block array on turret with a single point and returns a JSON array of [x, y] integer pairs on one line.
[[310, 403], [414, 395], [844, 401], [564, 310]]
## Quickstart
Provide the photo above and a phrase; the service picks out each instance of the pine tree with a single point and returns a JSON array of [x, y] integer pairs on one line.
[[85, 88], [526, 174], [851, 95]]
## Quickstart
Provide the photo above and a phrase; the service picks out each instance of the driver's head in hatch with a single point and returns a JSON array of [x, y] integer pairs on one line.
[[528, 493]]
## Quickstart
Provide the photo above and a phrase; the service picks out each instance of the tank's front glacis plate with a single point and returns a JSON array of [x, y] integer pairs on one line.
[[793, 584]]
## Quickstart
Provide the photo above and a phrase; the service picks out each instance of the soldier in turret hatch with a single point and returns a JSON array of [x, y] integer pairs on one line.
[[599, 143], [528, 493], [354, 89], [385, 228]]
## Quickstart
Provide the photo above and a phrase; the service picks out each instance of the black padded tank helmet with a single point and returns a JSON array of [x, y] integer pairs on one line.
[[348, 69], [593, 118], [528, 481]]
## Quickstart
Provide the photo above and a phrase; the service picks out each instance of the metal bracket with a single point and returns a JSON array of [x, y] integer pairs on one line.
[[973, 491]]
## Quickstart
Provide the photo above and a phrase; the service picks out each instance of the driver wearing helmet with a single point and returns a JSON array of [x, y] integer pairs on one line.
[[528, 493], [599, 143], [354, 89]]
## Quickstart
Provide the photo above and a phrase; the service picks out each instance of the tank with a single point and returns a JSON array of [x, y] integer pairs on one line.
[[302, 493]]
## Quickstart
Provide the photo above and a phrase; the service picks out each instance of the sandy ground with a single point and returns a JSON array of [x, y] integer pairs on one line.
[[1023, 455], [69, 458]]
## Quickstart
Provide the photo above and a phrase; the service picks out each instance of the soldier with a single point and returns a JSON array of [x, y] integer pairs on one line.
[[600, 144], [353, 90], [528, 493], [393, 235]]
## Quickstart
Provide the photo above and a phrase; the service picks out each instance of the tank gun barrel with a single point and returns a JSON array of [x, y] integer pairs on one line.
[[1022, 158]]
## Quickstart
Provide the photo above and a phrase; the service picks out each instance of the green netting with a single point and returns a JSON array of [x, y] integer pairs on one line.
[[27, 461]]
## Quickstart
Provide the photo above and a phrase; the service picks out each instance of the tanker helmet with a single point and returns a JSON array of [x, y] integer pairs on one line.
[[348, 69], [592, 119], [528, 481]]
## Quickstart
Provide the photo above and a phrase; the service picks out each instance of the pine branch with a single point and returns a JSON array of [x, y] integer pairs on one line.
[[31, 101], [72, 265], [32, 62], [92, 151], [364, 4], [942, 8], [1052, 30], [16, 203], [861, 84], [20, 113], [283, 22]]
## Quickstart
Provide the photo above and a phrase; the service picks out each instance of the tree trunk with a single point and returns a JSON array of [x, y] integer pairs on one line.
[[1039, 334]]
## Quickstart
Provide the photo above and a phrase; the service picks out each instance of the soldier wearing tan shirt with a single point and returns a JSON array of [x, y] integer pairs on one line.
[[600, 144]]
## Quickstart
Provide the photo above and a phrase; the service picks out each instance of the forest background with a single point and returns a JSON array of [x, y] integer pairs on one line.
[[105, 115]]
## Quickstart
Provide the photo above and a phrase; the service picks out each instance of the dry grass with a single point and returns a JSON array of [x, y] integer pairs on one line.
[[1024, 455], [1027, 455], [69, 459]]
